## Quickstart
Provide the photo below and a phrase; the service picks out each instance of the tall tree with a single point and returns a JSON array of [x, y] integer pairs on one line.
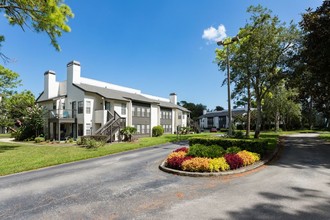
[[315, 54], [196, 109], [49, 16], [259, 59], [218, 108], [8, 80], [280, 105]]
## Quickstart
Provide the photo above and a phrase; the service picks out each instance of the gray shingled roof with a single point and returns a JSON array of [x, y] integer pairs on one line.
[[171, 105], [125, 96]]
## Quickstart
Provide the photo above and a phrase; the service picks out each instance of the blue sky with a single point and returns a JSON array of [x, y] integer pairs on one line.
[[156, 46]]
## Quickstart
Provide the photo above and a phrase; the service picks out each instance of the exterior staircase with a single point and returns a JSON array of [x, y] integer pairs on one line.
[[113, 125]]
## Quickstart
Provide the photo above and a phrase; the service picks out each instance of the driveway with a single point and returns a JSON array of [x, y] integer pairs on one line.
[[130, 186]]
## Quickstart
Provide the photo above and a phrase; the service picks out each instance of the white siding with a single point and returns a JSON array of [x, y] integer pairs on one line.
[[155, 115]]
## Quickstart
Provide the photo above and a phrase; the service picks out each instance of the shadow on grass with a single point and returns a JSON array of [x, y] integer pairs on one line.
[[276, 209], [4, 148]]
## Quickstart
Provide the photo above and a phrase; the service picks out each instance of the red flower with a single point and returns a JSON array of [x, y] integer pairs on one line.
[[234, 161]]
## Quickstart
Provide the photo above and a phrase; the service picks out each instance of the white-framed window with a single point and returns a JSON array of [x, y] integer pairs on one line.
[[123, 109], [88, 107]]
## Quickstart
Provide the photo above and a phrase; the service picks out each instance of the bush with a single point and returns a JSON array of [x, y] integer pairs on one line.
[[233, 150], [99, 138], [39, 139], [157, 131], [180, 154], [239, 134], [127, 132], [184, 149], [218, 164], [92, 143], [196, 164], [246, 157], [199, 150], [176, 162], [252, 145], [234, 161]]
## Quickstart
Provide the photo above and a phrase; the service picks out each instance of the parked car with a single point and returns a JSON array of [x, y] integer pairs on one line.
[[213, 130]]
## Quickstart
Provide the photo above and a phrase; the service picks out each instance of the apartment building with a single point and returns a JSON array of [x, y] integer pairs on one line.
[[81, 106]]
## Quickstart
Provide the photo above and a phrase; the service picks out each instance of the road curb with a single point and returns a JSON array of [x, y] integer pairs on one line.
[[225, 173]]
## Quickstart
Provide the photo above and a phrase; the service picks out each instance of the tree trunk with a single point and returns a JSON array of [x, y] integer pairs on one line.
[[248, 119], [277, 121], [258, 125]]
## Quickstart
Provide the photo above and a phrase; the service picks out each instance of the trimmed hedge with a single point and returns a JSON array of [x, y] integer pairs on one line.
[[200, 150], [252, 145]]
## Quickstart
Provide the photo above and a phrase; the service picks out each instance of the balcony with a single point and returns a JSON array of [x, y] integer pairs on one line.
[[62, 115]]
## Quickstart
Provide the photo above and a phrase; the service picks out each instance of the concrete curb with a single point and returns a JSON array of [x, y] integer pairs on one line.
[[225, 173]]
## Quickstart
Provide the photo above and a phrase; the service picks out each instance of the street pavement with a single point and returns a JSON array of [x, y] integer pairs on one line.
[[130, 186]]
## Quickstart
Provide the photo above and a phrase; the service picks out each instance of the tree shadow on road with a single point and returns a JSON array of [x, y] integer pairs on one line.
[[275, 210], [304, 153]]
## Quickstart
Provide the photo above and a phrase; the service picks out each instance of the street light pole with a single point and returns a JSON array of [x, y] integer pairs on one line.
[[232, 40]]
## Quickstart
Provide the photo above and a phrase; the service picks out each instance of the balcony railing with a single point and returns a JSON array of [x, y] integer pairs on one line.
[[62, 113]]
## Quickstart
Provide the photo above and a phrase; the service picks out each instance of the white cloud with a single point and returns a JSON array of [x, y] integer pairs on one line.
[[214, 35]]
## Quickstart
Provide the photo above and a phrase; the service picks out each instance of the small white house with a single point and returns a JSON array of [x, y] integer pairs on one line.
[[82, 106]]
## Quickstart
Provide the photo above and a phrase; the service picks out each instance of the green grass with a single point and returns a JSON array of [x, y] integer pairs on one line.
[[325, 136], [18, 157], [4, 135]]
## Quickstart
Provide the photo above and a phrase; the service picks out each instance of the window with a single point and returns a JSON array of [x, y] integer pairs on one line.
[[107, 105], [88, 129], [179, 116], [138, 112], [123, 109], [88, 107], [54, 105], [148, 112], [63, 105], [142, 112], [80, 107]]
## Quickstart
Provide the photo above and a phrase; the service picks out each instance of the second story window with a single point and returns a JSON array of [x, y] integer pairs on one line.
[[80, 107], [88, 107], [123, 109]]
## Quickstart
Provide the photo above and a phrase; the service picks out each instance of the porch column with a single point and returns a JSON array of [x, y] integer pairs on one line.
[[59, 131]]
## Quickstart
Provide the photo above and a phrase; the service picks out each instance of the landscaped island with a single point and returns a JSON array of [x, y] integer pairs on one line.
[[216, 154]]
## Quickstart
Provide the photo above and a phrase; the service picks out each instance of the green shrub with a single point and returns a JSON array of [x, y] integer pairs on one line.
[[92, 143], [233, 150], [239, 134], [200, 150], [127, 132], [79, 142], [252, 145], [100, 138], [157, 131], [39, 139]]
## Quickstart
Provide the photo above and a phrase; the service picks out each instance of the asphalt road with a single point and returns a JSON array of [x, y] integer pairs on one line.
[[130, 186]]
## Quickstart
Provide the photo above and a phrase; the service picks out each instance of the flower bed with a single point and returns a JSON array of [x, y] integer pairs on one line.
[[199, 158]]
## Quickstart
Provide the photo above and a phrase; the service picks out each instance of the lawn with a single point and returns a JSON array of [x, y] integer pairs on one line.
[[325, 136], [4, 136], [18, 157]]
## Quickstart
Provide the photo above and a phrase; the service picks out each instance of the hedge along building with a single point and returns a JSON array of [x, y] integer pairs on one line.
[[81, 106]]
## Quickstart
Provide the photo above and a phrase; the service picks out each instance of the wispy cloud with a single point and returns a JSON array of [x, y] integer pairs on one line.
[[212, 34]]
